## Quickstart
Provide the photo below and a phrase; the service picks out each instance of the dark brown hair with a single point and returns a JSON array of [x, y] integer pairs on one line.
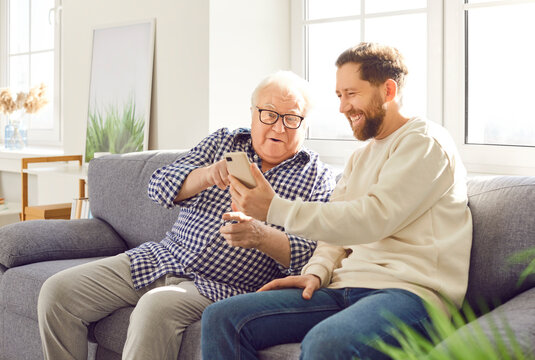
[[378, 63]]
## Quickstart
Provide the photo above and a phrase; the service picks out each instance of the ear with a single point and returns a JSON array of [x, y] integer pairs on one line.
[[252, 116], [391, 87]]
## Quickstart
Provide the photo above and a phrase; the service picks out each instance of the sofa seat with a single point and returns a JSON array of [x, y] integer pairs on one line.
[[18, 304]]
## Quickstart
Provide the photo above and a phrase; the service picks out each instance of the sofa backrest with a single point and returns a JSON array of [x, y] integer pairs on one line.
[[118, 195], [503, 212]]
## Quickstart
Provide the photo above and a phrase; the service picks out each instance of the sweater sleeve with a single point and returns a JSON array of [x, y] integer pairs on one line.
[[301, 248], [326, 258], [416, 174]]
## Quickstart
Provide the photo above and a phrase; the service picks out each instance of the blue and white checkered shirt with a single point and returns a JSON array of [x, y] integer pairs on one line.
[[194, 247]]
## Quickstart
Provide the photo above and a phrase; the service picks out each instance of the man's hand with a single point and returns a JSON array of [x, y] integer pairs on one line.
[[253, 202], [247, 233], [251, 233], [202, 178], [309, 283], [217, 174]]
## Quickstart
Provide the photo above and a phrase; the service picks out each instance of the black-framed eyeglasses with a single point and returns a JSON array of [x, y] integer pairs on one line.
[[270, 117]]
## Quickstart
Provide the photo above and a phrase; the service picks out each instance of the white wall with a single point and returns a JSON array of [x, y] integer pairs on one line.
[[209, 55], [248, 40], [180, 81]]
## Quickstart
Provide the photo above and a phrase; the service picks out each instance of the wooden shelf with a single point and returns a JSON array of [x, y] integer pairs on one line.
[[63, 169], [42, 165], [55, 211]]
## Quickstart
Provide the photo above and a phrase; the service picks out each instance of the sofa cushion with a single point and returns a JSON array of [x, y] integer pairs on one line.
[[13, 329], [125, 204], [503, 209], [43, 240], [20, 286], [105, 354], [512, 324]]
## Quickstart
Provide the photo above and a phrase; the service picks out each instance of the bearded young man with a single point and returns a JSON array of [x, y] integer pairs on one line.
[[396, 233]]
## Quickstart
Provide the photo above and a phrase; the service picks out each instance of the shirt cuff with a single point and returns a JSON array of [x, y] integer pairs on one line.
[[278, 211], [165, 185], [318, 270], [300, 252], [191, 200]]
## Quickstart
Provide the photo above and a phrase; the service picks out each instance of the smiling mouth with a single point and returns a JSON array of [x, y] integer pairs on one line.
[[355, 118], [275, 140]]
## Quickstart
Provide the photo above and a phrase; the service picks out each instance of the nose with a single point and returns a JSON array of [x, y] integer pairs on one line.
[[278, 126], [344, 105]]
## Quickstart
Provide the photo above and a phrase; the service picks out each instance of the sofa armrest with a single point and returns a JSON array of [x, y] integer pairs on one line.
[[512, 322], [43, 240]]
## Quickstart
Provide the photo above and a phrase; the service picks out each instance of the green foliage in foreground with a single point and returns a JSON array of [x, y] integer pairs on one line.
[[114, 131], [471, 342], [526, 256]]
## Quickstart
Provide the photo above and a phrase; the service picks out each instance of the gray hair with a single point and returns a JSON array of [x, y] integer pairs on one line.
[[289, 81]]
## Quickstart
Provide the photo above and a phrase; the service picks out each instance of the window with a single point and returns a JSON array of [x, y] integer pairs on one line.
[[329, 27], [488, 62], [30, 56], [465, 71], [491, 62]]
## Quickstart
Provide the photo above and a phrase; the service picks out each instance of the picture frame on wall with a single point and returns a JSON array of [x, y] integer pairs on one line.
[[120, 88]]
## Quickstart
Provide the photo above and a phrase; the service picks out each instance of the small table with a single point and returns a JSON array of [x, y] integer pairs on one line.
[[55, 211]]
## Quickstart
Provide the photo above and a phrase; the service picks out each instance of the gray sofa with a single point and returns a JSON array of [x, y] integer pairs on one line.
[[503, 210]]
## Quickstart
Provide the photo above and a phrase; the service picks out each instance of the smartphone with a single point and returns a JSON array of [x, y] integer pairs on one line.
[[238, 166]]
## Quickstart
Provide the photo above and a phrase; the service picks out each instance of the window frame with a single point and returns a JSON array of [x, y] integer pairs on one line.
[[478, 159], [337, 152], [446, 90], [36, 137]]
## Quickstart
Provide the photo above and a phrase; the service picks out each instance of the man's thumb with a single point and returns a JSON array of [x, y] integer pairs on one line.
[[234, 207], [307, 292], [257, 174]]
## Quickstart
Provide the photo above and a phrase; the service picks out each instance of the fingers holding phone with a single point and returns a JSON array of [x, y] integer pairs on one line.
[[253, 201], [238, 165]]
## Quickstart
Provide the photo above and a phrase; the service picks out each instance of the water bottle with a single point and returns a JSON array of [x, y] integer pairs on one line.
[[22, 140], [9, 137]]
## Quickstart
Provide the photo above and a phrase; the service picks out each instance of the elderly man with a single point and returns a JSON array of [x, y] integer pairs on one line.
[[396, 233], [202, 259]]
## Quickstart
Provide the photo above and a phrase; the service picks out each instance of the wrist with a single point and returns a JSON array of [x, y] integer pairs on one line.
[[204, 176], [264, 234], [275, 244], [318, 279]]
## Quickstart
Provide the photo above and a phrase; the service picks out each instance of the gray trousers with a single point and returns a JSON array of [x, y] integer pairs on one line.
[[75, 297]]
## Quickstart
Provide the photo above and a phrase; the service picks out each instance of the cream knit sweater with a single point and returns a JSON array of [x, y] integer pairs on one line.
[[398, 218]]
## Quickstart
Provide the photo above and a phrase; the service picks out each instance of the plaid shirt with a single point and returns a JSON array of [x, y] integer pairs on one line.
[[194, 247]]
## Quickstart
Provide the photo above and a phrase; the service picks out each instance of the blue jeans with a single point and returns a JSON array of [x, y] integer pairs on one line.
[[334, 324]]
